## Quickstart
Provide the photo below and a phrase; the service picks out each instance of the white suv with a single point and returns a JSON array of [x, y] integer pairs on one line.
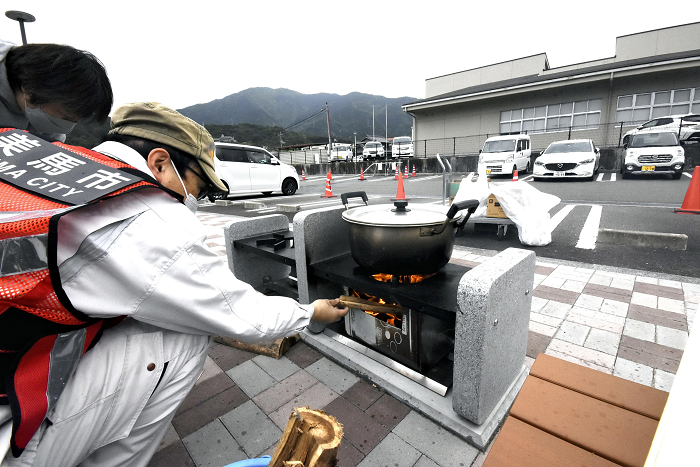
[[689, 129], [373, 149], [250, 169], [649, 153]]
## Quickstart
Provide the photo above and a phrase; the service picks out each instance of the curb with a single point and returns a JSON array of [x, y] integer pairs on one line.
[[655, 240]]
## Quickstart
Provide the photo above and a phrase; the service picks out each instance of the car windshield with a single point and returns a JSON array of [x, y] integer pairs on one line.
[[402, 140], [504, 145], [372, 145], [568, 146], [647, 140]]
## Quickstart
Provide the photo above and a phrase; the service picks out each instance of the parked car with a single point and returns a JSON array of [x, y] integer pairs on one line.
[[373, 149], [505, 154], [250, 169], [659, 152], [340, 152], [402, 146], [576, 158], [689, 130]]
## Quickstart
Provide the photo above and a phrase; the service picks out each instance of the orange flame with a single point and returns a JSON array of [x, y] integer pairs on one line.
[[410, 279]]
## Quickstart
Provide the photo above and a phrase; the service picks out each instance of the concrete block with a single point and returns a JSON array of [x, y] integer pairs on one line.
[[250, 267], [332, 375], [656, 240], [491, 331], [250, 378], [212, 445], [574, 333], [319, 235]]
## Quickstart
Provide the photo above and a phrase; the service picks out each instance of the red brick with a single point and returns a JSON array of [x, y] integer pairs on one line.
[[659, 290], [558, 295], [658, 317]]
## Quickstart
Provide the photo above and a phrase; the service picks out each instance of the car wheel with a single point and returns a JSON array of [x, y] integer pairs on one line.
[[289, 187], [527, 168], [625, 175]]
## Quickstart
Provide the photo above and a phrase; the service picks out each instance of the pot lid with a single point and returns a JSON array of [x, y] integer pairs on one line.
[[387, 215]]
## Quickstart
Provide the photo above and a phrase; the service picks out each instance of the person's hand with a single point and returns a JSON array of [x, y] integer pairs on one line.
[[326, 311]]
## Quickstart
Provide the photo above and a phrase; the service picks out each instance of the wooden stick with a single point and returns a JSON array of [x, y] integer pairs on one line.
[[311, 439], [361, 304]]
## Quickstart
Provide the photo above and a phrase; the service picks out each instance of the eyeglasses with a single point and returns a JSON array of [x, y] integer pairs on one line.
[[208, 187]]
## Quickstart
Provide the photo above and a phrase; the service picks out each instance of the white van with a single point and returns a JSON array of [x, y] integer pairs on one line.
[[340, 152], [250, 169], [504, 154]]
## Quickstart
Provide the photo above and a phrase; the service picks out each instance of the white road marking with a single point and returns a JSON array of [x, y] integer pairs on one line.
[[589, 233], [527, 178], [613, 176], [555, 220], [600, 177], [687, 175]]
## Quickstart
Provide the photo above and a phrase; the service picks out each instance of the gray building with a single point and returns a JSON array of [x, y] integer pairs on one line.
[[653, 74]]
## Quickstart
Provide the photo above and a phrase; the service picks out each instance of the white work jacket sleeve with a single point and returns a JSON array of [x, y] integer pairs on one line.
[[153, 265]]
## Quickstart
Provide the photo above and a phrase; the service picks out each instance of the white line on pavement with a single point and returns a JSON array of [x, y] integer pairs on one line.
[[600, 177], [589, 233], [527, 178], [559, 216], [687, 175], [613, 176]]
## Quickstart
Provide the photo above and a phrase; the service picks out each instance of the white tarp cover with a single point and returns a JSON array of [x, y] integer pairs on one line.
[[525, 205]]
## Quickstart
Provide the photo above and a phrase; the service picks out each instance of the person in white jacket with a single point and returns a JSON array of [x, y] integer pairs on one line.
[[142, 255]]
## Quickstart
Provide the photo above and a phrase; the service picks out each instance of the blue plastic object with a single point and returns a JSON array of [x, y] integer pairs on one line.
[[258, 462]]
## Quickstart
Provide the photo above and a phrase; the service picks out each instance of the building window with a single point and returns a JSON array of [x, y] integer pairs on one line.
[[554, 117], [637, 108]]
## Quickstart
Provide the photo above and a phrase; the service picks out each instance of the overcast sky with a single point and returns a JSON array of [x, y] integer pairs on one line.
[[185, 53]]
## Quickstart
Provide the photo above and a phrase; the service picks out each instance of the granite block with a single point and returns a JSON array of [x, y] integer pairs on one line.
[[281, 393], [303, 355], [634, 371], [391, 451], [388, 411], [332, 375], [175, 455], [434, 441], [358, 427], [279, 368], [251, 378], [491, 331], [198, 416], [317, 397], [213, 446], [363, 394], [251, 428]]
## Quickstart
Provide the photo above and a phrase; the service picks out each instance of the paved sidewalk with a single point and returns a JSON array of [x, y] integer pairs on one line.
[[628, 323]]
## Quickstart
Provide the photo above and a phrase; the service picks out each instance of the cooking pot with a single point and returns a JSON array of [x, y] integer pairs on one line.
[[398, 240]]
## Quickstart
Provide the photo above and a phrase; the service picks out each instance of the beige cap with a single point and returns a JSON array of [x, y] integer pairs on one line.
[[156, 122]]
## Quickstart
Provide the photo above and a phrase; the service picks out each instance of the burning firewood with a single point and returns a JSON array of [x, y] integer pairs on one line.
[[311, 439]]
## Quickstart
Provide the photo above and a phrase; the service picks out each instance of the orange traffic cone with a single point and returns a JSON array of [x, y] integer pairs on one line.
[[691, 202], [362, 175], [405, 171], [515, 175], [396, 173], [329, 176], [414, 171], [329, 191], [400, 194], [303, 174]]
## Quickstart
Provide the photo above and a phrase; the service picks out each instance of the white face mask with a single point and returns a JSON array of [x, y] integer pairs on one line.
[[45, 123], [190, 201]]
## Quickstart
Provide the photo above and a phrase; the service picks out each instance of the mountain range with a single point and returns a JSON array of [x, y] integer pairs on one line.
[[351, 113]]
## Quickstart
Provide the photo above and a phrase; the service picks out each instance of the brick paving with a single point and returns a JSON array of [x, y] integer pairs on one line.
[[627, 323]]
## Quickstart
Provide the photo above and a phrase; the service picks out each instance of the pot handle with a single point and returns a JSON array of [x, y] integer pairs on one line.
[[344, 197], [470, 204]]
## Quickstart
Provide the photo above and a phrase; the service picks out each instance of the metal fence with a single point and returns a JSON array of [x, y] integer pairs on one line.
[[603, 136]]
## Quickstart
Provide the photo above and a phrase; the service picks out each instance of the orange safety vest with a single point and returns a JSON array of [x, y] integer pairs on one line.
[[42, 336]]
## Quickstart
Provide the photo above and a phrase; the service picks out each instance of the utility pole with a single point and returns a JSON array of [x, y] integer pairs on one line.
[[386, 128], [328, 118], [372, 122]]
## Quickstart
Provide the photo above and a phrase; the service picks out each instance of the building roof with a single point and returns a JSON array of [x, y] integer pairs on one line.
[[525, 81]]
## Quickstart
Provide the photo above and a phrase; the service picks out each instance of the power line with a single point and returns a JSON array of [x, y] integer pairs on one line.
[[307, 118]]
